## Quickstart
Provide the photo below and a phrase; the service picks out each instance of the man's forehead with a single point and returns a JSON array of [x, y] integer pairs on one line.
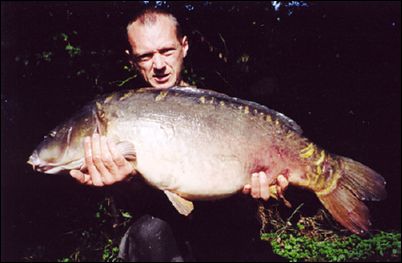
[[161, 22], [146, 37]]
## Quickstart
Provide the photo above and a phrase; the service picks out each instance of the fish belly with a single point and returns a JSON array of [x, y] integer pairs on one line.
[[190, 166], [196, 164]]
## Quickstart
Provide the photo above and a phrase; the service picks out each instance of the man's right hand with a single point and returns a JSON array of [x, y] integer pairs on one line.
[[104, 165]]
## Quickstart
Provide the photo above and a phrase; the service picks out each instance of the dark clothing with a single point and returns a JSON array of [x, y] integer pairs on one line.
[[224, 230], [149, 239]]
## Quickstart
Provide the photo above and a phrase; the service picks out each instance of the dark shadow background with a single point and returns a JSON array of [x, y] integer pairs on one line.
[[334, 68]]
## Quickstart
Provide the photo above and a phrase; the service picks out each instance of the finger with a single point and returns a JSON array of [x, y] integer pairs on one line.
[[108, 177], [88, 163], [279, 191], [90, 160], [81, 177], [84, 166], [282, 182], [246, 189], [117, 157], [97, 155], [77, 175], [280, 194], [264, 187], [255, 186]]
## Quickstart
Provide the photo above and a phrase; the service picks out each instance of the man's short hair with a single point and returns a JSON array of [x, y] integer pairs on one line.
[[149, 16]]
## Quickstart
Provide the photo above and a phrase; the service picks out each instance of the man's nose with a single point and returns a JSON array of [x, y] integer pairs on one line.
[[158, 61]]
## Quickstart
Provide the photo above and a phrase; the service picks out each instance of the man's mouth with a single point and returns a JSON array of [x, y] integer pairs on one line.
[[162, 78]]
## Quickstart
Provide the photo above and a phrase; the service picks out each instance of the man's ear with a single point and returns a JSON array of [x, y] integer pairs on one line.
[[184, 44], [134, 65], [130, 60]]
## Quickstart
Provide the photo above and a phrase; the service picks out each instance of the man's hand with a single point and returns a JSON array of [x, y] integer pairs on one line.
[[104, 165], [259, 187]]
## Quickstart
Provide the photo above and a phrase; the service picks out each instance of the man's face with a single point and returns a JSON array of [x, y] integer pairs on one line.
[[158, 53]]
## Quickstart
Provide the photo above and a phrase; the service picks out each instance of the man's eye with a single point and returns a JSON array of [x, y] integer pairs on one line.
[[168, 52], [144, 58]]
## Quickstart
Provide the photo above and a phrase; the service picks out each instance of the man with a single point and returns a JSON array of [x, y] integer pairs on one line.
[[158, 49]]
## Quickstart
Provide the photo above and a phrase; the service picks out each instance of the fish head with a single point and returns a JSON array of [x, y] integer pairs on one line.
[[63, 148]]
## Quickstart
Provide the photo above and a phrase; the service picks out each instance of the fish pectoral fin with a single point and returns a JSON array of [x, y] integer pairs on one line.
[[127, 149], [182, 205]]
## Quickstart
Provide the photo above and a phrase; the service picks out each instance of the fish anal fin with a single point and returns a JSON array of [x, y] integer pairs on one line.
[[182, 205]]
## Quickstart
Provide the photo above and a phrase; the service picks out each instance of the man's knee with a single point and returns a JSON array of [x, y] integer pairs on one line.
[[149, 239], [148, 228]]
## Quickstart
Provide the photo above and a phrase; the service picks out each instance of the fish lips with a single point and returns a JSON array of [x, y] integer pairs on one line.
[[35, 161], [38, 165], [48, 168]]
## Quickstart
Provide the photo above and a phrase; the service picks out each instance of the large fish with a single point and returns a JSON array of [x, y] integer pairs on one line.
[[196, 144]]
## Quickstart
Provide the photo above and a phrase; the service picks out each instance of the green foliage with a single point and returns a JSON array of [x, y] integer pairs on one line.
[[95, 242], [298, 247], [312, 239], [44, 55], [72, 50], [110, 252], [100, 242], [193, 78], [70, 57]]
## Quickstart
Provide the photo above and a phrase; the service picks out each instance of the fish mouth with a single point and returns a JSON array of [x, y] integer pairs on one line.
[[52, 168], [37, 164], [35, 161]]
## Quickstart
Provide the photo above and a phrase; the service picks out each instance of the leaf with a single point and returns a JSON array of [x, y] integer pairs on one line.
[[126, 214]]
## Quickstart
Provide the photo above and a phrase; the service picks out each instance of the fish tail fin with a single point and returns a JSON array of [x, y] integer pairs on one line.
[[345, 184]]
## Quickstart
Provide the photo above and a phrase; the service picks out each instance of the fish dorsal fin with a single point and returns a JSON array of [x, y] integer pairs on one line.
[[291, 124], [182, 205]]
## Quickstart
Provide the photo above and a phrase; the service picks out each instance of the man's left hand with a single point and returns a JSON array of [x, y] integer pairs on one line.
[[259, 187]]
